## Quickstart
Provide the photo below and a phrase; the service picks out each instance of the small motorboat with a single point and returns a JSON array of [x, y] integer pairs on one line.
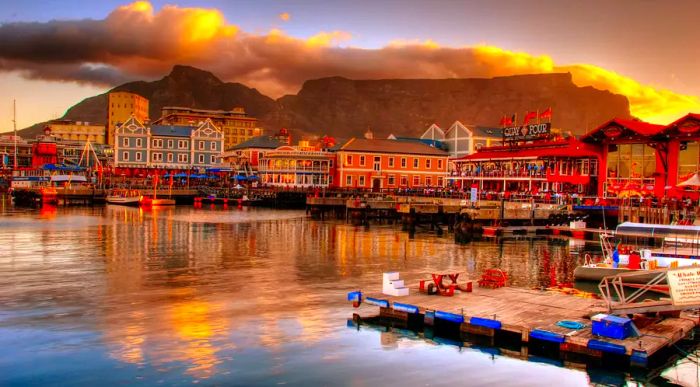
[[156, 202], [124, 197]]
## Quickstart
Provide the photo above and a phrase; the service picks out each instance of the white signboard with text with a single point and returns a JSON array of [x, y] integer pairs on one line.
[[685, 286]]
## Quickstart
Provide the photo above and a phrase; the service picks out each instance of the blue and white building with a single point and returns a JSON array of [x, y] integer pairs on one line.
[[167, 146]]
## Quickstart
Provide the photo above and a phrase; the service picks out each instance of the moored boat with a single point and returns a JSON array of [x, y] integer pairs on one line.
[[156, 202], [680, 247], [124, 197]]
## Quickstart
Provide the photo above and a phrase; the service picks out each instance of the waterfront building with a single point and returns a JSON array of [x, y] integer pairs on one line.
[[640, 158], [7, 150], [389, 164], [70, 130], [122, 105], [563, 165], [304, 165], [245, 157], [236, 125], [173, 147]]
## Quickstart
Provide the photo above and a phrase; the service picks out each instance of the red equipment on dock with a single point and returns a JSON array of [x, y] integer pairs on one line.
[[493, 278], [438, 287]]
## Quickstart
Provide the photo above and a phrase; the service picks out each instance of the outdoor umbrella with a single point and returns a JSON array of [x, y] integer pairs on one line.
[[693, 181]]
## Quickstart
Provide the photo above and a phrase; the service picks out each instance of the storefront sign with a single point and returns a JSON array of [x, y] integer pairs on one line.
[[527, 132], [612, 131], [685, 286]]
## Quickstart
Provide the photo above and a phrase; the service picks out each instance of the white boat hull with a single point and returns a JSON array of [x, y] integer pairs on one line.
[[124, 201]]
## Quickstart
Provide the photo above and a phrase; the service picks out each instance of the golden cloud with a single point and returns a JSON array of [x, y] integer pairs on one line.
[[135, 41]]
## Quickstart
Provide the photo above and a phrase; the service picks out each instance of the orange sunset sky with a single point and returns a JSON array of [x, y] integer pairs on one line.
[[54, 53]]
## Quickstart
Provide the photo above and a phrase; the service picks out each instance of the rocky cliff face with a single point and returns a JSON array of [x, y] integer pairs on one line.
[[344, 108]]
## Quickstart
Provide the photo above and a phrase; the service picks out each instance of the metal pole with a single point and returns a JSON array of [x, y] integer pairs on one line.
[[14, 124]]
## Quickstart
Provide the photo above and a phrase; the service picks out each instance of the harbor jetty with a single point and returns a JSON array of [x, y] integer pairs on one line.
[[531, 318]]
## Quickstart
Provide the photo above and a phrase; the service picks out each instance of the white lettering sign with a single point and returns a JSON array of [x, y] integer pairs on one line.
[[685, 286]]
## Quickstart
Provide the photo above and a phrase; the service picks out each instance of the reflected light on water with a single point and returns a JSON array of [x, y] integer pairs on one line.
[[247, 295]]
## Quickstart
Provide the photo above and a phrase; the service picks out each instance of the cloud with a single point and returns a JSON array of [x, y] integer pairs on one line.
[[285, 16], [135, 41]]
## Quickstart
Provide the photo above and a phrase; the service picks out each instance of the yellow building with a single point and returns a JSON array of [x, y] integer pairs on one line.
[[236, 124], [77, 131], [120, 106]]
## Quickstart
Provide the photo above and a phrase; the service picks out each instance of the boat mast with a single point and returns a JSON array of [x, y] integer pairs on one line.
[[14, 124]]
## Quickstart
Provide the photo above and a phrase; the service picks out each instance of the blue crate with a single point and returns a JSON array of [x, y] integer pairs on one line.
[[612, 327]]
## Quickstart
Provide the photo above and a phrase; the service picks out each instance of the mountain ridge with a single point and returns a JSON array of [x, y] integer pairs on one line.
[[344, 107]]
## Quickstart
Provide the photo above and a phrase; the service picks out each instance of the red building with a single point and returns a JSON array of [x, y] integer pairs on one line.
[[642, 158], [562, 166]]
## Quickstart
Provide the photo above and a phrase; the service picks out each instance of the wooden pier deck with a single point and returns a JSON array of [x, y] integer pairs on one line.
[[533, 315]]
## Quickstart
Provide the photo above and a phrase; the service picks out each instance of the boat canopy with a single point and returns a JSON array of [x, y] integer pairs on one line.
[[658, 230]]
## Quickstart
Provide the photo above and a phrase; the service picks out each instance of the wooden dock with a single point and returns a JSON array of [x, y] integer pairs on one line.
[[532, 316]]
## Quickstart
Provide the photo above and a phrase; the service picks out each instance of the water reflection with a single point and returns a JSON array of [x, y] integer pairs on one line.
[[255, 296]]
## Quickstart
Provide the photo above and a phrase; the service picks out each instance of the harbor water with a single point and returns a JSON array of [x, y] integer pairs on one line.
[[110, 295]]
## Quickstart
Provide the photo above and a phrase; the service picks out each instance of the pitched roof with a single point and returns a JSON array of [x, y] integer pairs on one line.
[[265, 142], [171, 130], [390, 146], [639, 127]]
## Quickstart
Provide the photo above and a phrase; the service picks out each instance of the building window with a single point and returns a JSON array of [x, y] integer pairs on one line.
[[391, 162], [201, 145], [157, 143], [361, 179], [157, 157], [391, 180], [348, 181], [139, 143], [415, 163], [213, 159], [125, 142], [362, 161], [170, 144], [403, 162], [440, 164], [182, 158], [182, 144], [377, 163], [125, 156], [213, 145], [416, 181], [440, 181], [427, 163], [201, 159], [428, 181], [170, 157], [404, 181], [330, 164], [348, 160], [138, 155]]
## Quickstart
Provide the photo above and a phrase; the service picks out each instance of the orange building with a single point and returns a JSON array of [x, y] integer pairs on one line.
[[389, 164], [121, 105]]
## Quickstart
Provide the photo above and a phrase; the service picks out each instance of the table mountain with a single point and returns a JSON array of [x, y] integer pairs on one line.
[[344, 108]]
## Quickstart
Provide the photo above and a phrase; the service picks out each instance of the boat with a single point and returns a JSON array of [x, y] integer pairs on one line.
[[124, 197], [680, 247], [155, 201]]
